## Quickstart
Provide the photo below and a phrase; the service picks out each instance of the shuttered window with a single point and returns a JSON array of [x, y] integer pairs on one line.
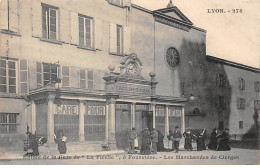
[[65, 76], [221, 80], [241, 84], [49, 22], [85, 31], [241, 103], [39, 74], [119, 37], [82, 79], [46, 73], [8, 76], [257, 86], [8, 123], [9, 15]]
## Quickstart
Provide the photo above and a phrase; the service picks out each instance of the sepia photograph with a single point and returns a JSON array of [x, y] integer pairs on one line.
[[129, 82]]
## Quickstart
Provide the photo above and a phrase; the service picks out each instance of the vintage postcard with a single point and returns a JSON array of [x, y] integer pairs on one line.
[[122, 82]]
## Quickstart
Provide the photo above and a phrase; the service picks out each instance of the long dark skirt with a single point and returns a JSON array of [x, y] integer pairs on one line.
[[213, 144], [145, 149], [188, 144], [223, 146], [62, 147], [201, 144]]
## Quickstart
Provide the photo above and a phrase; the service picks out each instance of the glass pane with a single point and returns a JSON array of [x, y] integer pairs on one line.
[[12, 89], [3, 118], [46, 76], [54, 69], [2, 80], [2, 63], [82, 74], [53, 35], [52, 13], [53, 21], [39, 78], [11, 65], [81, 20], [46, 68], [12, 118], [12, 73], [53, 28], [2, 72], [12, 81], [3, 88], [23, 65], [65, 70], [24, 88], [54, 78]]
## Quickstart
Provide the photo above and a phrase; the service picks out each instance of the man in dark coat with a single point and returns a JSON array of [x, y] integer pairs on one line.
[[213, 143], [146, 142], [176, 139], [160, 145], [188, 140], [224, 140], [60, 139], [131, 138], [201, 137], [154, 139], [33, 144]]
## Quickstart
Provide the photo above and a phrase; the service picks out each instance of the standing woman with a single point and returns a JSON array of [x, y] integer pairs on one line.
[[188, 140], [60, 139], [213, 144], [201, 141], [146, 142]]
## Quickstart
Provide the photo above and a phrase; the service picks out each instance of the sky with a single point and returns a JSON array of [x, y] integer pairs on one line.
[[230, 36]]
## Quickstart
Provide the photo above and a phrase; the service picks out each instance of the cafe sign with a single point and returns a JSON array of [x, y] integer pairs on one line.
[[65, 109]]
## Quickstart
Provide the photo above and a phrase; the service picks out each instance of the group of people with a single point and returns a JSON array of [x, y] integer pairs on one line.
[[151, 142], [33, 147]]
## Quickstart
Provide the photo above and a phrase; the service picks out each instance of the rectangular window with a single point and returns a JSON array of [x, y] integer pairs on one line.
[[82, 79], [90, 80], [257, 86], [119, 39], [241, 84], [23, 76], [221, 80], [241, 124], [241, 103], [8, 76], [85, 31], [39, 74], [50, 73], [49, 22], [257, 104], [220, 102], [65, 76], [8, 123]]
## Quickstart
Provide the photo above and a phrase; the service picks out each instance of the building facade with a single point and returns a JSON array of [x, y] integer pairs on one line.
[[97, 68]]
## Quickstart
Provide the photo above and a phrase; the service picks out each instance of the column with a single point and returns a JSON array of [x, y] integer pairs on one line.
[[50, 119], [33, 126], [112, 121], [82, 110], [167, 126], [107, 118], [182, 119], [153, 109], [133, 115]]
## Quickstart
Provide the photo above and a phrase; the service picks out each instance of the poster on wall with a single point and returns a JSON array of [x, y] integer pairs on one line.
[[123, 82]]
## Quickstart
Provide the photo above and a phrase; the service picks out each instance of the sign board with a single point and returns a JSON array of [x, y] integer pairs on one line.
[[132, 88], [174, 112], [65, 109], [96, 110]]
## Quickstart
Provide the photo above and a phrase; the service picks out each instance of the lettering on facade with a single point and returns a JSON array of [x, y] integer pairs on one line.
[[160, 110], [67, 110], [96, 110], [174, 113], [141, 107], [41, 101], [123, 106], [171, 23], [124, 87]]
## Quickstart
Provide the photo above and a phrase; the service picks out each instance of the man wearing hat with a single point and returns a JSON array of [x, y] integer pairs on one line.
[[131, 139], [176, 137], [154, 139]]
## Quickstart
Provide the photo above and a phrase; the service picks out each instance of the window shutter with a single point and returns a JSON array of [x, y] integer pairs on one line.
[[58, 25], [127, 40], [39, 74], [91, 79], [75, 78], [238, 103], [23, 76], [112, 38], [4, 15], [36, 19], [13, 14], [98, 33], [99, 81], [74, 28], [217, 79]]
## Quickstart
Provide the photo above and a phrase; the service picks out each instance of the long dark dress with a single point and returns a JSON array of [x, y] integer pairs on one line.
[[223, 143], [33, 144], [213, 144], [188, 140], [160, 144], [61, 145], [146, 142], [201, 143]]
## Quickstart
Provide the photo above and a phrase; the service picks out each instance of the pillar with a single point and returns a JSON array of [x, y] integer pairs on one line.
[[107, 118], [33, 124], [50, 119], [82, 110], [167, 126], [112, 121], [182, 119], [133, 115], [153, 109]]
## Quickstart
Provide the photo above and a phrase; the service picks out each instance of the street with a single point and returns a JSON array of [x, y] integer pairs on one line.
[[235, 156]]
